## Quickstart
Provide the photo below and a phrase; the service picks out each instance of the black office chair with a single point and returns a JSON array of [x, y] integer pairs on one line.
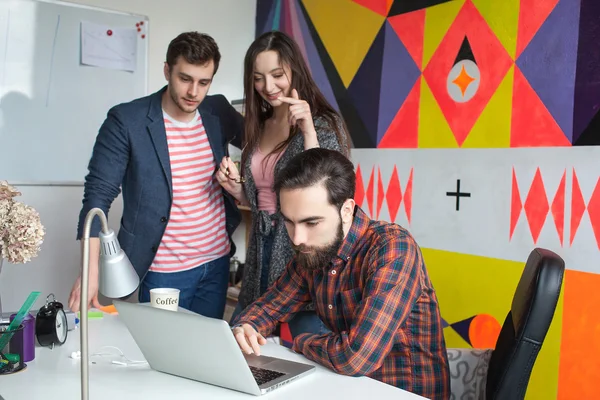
[[503, 373], [525, 326]]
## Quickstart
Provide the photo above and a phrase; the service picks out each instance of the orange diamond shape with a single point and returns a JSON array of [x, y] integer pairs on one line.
[[394, 195], [490, 56], [359, 194], [536, 206], [594, 212]]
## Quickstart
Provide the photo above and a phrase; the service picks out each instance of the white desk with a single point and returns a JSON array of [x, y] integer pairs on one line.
[[54, 375]]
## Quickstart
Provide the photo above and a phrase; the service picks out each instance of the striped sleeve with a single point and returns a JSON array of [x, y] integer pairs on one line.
[[390, 293]]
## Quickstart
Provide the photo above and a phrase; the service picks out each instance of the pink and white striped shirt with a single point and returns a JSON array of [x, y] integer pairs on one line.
[[195, 233]]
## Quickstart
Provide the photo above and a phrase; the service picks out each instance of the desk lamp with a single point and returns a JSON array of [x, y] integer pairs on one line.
[[116, 275]]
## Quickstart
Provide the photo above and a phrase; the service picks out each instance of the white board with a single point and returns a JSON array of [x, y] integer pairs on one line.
[[52, 105]]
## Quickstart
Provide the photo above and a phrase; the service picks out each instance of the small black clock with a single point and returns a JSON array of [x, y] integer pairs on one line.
[[51, 323]]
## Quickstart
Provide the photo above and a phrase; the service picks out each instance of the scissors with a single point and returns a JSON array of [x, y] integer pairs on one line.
[[240, 179]]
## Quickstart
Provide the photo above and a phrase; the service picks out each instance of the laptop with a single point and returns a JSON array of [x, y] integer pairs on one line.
[[189, 345]]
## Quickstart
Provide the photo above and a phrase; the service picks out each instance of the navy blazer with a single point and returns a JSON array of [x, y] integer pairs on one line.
[[131, 152]]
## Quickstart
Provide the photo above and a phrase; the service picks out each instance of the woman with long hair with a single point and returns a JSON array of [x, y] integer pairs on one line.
[[285, 114]]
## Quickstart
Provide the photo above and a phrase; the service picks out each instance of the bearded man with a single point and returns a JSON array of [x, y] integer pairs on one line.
[[366, 278]]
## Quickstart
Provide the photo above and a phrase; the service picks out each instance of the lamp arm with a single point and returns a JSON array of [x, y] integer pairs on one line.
[[83, 302]]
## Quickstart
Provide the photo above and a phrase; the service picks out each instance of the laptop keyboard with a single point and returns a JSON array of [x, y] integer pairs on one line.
[[262, 375]]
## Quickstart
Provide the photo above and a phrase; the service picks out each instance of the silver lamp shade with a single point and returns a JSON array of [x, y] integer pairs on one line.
[[116, 274]]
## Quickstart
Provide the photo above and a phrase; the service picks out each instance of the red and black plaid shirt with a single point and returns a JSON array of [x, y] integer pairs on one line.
[[378, 301]]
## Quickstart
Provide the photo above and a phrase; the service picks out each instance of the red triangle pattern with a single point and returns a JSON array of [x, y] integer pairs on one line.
[[532, 125], [577, 207], [394, 195], [516, 206], [410, 28], [558, 208], [594, 212], [408, 196], [403, 132], [536, 206], [380, 192], [532, 14], [370, 193], [359, 193]]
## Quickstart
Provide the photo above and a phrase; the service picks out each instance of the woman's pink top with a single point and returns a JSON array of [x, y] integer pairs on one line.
[[264, 179]]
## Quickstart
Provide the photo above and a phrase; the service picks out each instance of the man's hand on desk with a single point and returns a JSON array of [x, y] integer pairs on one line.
[[92, 300], [75, 297], [248, 339]]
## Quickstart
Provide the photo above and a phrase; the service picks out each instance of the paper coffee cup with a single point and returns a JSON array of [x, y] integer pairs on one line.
[[165, 298]]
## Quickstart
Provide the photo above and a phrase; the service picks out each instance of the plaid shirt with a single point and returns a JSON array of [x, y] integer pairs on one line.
[[378, 301]]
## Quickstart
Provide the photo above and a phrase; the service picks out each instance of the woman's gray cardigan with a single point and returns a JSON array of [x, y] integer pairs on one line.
[[261, 221]]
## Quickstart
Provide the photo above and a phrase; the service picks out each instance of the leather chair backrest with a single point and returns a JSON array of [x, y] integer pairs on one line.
[[525, 327]]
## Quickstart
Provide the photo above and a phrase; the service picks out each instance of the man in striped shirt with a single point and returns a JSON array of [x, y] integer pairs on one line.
[[366, 278], [163, 150]]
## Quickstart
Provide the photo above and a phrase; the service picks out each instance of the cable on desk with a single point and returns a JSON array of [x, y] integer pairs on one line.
[[120, 354]]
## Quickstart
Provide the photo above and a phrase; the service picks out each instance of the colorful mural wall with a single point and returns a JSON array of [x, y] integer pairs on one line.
[[475, 125]]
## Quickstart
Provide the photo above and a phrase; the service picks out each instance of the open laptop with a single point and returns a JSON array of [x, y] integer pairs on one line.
[[204, 349]]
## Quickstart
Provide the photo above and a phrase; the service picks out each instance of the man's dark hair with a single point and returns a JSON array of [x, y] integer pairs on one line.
[[320, 166], [195, 47]]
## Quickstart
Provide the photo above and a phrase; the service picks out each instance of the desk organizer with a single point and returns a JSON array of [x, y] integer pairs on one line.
[[11, 356]]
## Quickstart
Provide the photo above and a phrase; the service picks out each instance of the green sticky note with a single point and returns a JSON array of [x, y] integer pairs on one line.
[[92, 314]]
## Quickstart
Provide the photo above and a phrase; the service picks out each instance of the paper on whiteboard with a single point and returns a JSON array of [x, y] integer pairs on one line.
[[108, 47]]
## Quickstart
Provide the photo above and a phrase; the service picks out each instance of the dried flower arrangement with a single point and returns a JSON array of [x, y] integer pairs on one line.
[[21, 231]]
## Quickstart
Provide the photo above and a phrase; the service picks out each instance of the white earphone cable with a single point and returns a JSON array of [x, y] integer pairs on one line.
[[126, 361]]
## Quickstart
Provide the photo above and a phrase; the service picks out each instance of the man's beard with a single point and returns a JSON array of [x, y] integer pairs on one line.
[[318, 257]]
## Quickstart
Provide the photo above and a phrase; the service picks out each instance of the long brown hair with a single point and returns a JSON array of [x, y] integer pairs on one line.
[[257, 110]]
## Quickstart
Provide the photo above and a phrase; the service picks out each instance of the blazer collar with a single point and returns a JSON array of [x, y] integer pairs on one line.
[[212, 127], [158, 134], [155, 109]]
